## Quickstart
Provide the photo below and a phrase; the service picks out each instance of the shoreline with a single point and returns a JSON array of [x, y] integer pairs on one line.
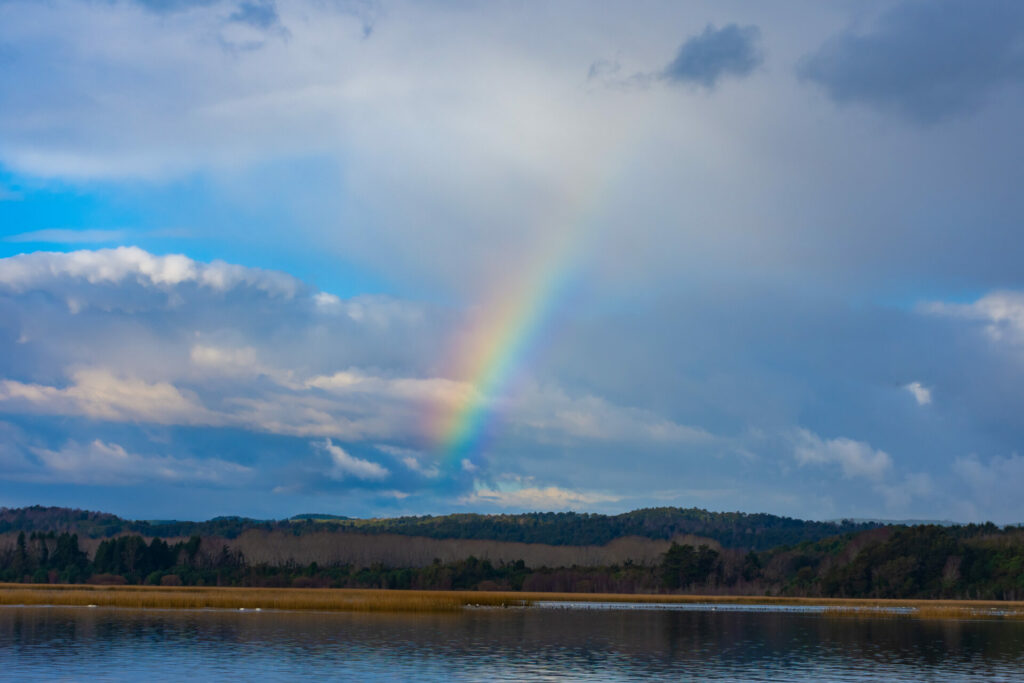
[[383, 600]]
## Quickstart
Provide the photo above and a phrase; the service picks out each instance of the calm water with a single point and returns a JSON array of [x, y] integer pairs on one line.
[[514, 644]]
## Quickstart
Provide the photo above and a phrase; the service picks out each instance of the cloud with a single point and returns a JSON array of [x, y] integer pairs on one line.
[[259, 364], [856, 458], [927, 61], [436, 390], [550, 410], [102, 395], [345, 465], [413, 460], [921, 394], [900, 496], [109, 464], [536, 498], [57, 236], [1003, 311], [158, 357], [993, 487], [260, 14], [115, 266], [706, 58], [174, 5]]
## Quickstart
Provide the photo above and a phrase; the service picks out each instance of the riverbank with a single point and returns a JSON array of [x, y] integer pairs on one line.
[[370, 600]]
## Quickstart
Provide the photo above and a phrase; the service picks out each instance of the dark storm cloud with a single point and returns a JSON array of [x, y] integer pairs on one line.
[[704, 59], [926, 60]]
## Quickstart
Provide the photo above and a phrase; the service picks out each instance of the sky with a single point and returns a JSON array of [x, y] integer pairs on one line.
[[381, 258]]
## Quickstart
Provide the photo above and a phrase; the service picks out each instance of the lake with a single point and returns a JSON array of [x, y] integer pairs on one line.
[[556, 641]]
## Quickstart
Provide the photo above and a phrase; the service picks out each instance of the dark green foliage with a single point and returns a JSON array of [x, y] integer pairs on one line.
[[931, 561], [130, 557], [684, 565], [43, 557]]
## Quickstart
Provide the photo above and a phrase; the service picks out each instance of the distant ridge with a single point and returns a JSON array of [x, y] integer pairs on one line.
[[897, 522], [757, 531]]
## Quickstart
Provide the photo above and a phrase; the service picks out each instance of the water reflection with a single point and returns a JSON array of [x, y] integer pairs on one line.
[[510, 644]]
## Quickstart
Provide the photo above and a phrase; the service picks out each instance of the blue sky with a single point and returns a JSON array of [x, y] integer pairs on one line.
[[777, 250]]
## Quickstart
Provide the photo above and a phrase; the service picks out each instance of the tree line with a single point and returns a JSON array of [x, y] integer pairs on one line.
[[976, 561]]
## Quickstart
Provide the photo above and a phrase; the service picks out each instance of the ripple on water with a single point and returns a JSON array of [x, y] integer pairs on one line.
[[563, 641]]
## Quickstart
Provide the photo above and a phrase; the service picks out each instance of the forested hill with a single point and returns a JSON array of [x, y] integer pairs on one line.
[[730, 529]]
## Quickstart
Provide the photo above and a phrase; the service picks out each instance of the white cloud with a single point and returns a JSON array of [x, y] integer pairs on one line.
[[345, 466], [856, 458], [104, 463], [207, 360], [116, 266], [921, 394], [436, 390], [548, 409], [546, 498], [414, 460], [103, 395], [237, 362], [1003, 311]]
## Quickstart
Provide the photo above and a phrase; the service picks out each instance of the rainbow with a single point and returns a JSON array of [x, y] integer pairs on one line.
[[489, 355]]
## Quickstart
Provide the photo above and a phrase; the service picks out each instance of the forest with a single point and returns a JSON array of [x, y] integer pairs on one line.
[[895, 561], [729, 529]]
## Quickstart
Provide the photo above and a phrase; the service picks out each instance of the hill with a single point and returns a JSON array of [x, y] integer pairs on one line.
[[736, 530], [650, 551]]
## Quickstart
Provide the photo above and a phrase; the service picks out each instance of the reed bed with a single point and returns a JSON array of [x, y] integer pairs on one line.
[[930, 612], [372, 600], [316, 599], [838, 603]]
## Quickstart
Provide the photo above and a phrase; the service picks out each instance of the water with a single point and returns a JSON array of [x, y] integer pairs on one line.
[[550, 643]]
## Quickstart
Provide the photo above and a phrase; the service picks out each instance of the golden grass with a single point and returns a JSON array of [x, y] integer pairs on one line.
[[318, 599], [371, 600], [981, 610], [840, 603]]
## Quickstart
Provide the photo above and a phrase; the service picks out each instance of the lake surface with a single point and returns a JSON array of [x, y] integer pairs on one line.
[[542, 643]]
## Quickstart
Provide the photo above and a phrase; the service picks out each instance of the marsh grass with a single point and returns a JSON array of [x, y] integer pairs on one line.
[[371, 600], [944, 611], [318, 599]]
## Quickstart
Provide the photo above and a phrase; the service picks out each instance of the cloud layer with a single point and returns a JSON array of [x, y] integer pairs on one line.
[[768, 257], [925, 60]]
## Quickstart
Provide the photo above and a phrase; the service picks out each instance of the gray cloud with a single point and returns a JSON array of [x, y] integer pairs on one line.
[[926, 60], [259, 14], [173, 5], [704, 59]]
